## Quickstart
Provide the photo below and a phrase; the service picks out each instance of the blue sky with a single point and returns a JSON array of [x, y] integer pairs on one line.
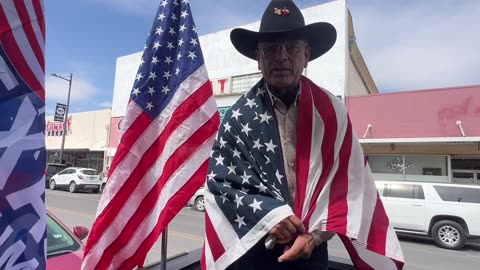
[[407, 44]]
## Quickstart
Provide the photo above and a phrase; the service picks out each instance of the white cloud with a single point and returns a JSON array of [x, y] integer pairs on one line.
[[138, 7], [105, 104], [57, 89], [419, 44]]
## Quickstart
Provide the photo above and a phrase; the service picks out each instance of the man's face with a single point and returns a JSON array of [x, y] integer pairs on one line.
[[282, 62]]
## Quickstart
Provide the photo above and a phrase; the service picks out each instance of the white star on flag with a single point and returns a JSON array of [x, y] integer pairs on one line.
[[219, 160], [270, 146], [279, 176], [150, 106], [165, 90], [156, 45], [211, 176], [152, 76], [136, 91], [155, 60], [184, 14], [236, 114], [191, 55], [159, 31], [151, 91], [167, 75], [257, 144], [161, 17], [168, 60], [245, 178], [240, 221], [238, 200], [231, 168], [222, 143], [265, 117], [261, 187], [236, 153], [255, 205], [246, 129], [194, 42], [224, 197], [250, 103], [182, 28], [227, 126], [170, 46]]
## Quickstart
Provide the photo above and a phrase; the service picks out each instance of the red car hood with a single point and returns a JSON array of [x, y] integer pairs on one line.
[[70, 261]]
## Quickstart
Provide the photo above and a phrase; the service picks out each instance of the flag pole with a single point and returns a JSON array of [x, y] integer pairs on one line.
[[164, 249]]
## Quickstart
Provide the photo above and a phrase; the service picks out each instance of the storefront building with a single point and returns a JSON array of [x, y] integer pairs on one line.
[[429, 135], [342, 70], [86, 139]]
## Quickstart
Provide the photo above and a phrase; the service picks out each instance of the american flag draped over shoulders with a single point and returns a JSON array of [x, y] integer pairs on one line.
[[162, 158], [22, 135], [247, 191]]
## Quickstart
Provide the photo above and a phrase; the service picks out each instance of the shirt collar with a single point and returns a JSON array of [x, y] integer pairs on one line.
[[275, 100]]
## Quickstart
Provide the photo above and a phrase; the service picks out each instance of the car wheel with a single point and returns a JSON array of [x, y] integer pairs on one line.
[[72, 187], [449, 234], [52, 185], [102, 188], [200, 204]]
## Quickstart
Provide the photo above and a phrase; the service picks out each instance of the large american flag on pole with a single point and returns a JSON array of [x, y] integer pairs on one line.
[[22, 135], [168, 133], [247, 191]]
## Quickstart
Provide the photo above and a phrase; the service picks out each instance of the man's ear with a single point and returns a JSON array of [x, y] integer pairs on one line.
[[257, 57], [307, 55]]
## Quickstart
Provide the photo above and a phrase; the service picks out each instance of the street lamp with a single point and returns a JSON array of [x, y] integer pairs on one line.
[[69, 80]]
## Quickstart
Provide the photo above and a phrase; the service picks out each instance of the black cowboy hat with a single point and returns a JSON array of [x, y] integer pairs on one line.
[[283, 20]]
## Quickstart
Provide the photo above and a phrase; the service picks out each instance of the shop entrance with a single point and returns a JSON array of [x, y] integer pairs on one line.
[[466, 170]]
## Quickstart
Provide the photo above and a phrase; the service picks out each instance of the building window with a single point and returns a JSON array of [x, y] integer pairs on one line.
[[386, 167], [409, 168], [243, 83]]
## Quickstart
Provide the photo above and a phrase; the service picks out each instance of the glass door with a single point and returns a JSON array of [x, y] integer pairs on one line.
[[470, 177]]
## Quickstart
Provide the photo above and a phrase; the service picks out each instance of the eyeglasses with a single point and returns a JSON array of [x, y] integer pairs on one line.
[[271, 49]]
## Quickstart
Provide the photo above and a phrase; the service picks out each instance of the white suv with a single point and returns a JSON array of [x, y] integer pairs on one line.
[[76, 179], [449, 213], [197, 200]]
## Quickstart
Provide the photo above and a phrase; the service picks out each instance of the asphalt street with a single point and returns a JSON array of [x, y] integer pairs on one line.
[[186, 232]]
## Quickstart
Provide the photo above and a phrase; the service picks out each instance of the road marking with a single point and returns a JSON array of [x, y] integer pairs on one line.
[[175, 233], [70, 195]]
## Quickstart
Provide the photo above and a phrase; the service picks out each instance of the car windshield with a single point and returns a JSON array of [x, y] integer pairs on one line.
[[53, 169], [89, 172], [59, 241]]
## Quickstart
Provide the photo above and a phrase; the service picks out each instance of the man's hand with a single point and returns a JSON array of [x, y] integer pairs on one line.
[[301, 249], [286, 229]]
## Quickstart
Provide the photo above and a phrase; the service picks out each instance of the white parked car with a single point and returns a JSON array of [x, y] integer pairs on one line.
[[197, 200], [76, 179], [448, 213]]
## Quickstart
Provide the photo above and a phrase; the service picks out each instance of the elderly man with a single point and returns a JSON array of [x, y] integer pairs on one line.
[[287, 171]]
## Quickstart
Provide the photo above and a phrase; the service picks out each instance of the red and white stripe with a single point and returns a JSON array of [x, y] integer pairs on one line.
[[339, 193], [169, 161], [23, 39]]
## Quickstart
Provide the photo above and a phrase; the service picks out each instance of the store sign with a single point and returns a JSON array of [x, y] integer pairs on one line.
[[221, 86], [60, 112], [222, 111], [56, 128]]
